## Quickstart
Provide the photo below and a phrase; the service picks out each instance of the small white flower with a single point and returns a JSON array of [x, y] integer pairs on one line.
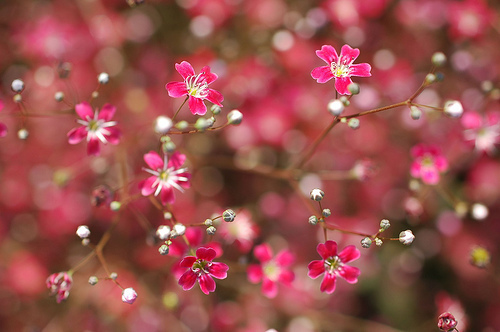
[[129, 295], [335, 107], [103, 78], [406, 237], [83, 232], [479, 211], [163, 232], [17, 85], [453, 108], [163, 124], [178, 230]]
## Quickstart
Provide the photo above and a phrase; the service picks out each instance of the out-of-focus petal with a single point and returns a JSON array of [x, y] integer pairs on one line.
[[153, 160], [84, 111], [185, 69]]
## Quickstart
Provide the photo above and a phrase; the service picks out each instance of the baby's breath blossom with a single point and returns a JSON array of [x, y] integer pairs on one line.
[[406, 237], [340, 67], [333, 265], [428, 163], [59, 285], [96, 126], [129, 295], [195, 87], [483, 131]]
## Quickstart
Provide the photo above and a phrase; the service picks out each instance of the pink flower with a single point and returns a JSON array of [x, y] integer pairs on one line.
[[129, 295], [483, 131], [96, 126], [195, 87], [59, 285], [271, 270], [166, 176], [242, 231], [428, 163], [202, 268], [332, 265], [341, 68], [447, 322]]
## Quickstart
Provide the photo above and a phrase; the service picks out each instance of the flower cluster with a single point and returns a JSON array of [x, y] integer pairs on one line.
[[59, 284]]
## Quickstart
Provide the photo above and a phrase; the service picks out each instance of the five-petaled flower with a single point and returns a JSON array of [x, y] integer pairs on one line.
[[428, 163], [195, 87], [332, 265], [341, 68], [59, 285], [166, 175], [484, 131], [202, 268], [96, 126], [271, 270]]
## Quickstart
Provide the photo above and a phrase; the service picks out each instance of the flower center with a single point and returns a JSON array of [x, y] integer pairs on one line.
[[332, 263], [271, 270], [94, 125], [197, 86], [427, 161], [342, 67], [199, 266], [164, 175]]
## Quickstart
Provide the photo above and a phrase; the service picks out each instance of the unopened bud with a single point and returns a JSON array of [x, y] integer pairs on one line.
[[178, 230], [163, 124], [234, 117], [335, 107], [129, 295], [366, 242], [103, 78], [202, 124], [95, 94], [163, 232], [228, 215], [353, 123], [479, 211], [211, 230], [17, 98], [353, 88], [182, 125], [430, 78], [384, 224], [59, 96], [326, 213], [406, 237], [378, 242], [113, 275], [317, 194], [438, 59], [93, 280], [115, 206], [23, 133], [313, 220], [216, 109], [17, 85], [453, 108], [164, 249], [83, 232], [415, 112], [208, 222]]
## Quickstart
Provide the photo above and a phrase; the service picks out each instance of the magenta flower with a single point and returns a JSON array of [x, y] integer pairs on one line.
[[202, 268], [195, 87], [59, 285], [166, 176], [428, 163], [341, 68], [271, 270], [96, 126], [332, 265], [483, 131]]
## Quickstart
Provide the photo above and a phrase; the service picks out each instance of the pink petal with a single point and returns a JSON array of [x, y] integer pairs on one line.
[[76, 135], [185, 69], [209, 77], [418, 150], [360, 69], [113, 135], [286, 277], [207, 254], [218, 270], [349, 52], [187, 280], [154, 161], [492, 118], [349, 273], [341, 84], [349, 254], [263, 252], [429, 175], [441, 163], [215, 97], [254, 273], [187, 261], [197, 106], [106, 113], [316, 268], [1, 104], [184, 184], [327, 249], [327, 54], [176, 89], [207, 284], [471, 120], [167, 195], [146, 186], [322, 74], [328, 283], [269, 288], [176, 160], [3, 129], [285, 258], [415, 169], [84, 110], [93, 147]]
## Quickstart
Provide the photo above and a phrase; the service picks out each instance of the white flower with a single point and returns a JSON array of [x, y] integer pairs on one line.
[[129, 295], [406, 237], [83, 232], [163, 232]]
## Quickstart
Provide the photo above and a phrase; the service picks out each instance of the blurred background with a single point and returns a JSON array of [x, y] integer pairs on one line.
[[263, 52]]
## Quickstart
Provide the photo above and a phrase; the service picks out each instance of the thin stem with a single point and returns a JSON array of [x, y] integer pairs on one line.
[[178, 110], [376, 110]]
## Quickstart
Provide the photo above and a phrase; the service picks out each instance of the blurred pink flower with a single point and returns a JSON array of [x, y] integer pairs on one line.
[[3, 127], [166, 176], [202, 268], [484, 131], [195, 87], [341, 68], [469, 18], [271, 270], [428, 163], [242, 231], [447, 322], [59, 285], [96, 126], [333, 265]]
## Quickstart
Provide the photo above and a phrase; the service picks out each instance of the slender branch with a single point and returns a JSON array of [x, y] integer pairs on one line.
[[178, 110]]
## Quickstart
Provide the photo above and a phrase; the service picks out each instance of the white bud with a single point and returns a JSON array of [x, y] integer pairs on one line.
[[181, 125], [406, 237], [163, 250], [228, 215], [326, 213], [163, 124], [313, 220], [179, 230], [163, 232], [316, 194], [211, 230], [59, 96], [23, 133], [103, 78], [353, 123], [129, 295], [113, 275], [234, 117], [438, 59], [453, 108], [93, 280], [335, 107], [378, 242], [366, 242], [17, 85], [479, 211], [384, 224], [115, 206], [415, 112], [83, 232]]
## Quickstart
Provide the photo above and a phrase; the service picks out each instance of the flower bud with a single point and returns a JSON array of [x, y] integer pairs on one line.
[[59, 96], [335, 107], [313, 220], [103, 78], [378, 242], [113, 275], [326, 213], [178, 230], [228, 215], [447, 322], [95, 94], [430, 78], [406, 237], [163, 250], [202, 124], [208, 222], [234, 117], [115, 206], [353, 123], [353, 88], [23, 133], [163, 124], [17, 98], [415, 112], [479, 211], [163, 232], [129, 295], [182, 125], [216, 109], [93, 280], [438, 59], [317, 194], [83, 232], [211, 230], [453, 108], [17, 85], [101, 195], [480, 257], [384, 224], [366, 242]]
